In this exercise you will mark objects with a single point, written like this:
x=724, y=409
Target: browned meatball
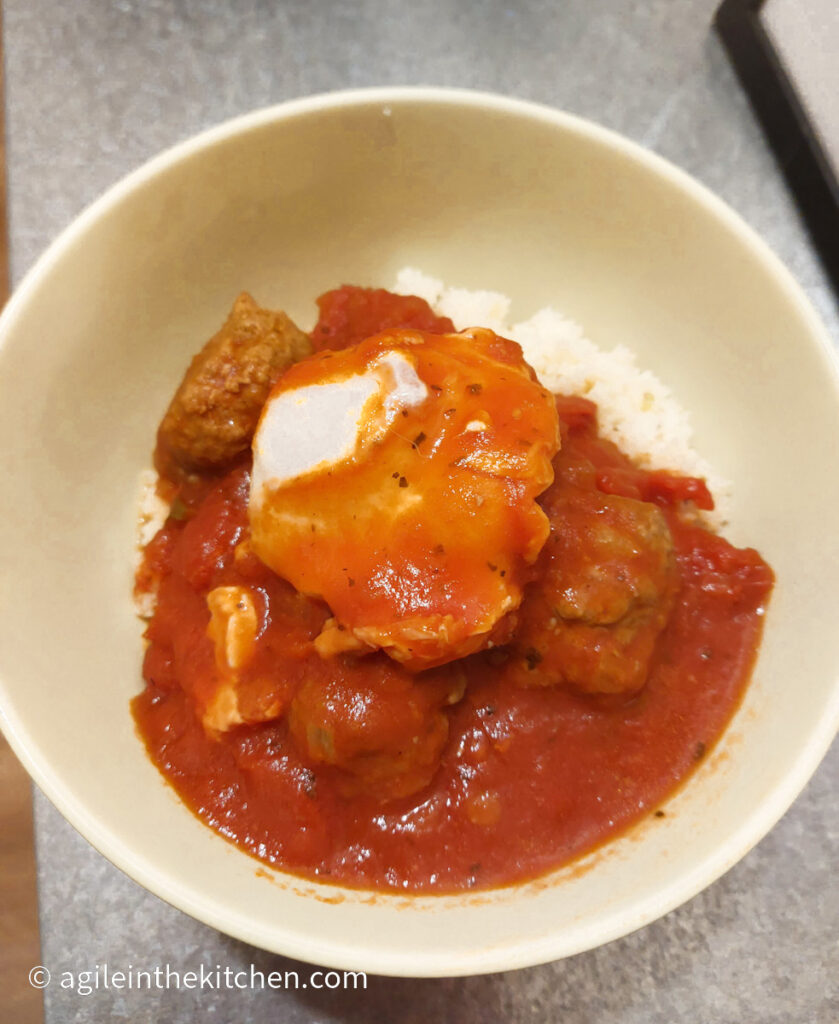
x=383, y=727
x=214, y=413
x=609, y=579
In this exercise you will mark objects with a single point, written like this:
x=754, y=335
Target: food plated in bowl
x=480, y=191
x=415, y=625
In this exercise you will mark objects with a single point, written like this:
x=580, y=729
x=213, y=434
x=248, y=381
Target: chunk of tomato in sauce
x=615, y=474
x=351, y=314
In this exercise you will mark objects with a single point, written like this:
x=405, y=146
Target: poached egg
x=397, y=480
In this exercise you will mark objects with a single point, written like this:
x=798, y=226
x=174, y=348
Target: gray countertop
x=95, y=88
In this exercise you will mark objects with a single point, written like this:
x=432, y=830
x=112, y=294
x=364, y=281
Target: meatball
x=608, y=579
x=382, y=727
x=213, y=415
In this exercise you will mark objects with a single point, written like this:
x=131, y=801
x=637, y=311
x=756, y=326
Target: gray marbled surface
x=94, y=89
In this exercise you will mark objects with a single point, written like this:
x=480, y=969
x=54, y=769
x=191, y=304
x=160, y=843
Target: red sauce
x=529, y=777
x=350, y=314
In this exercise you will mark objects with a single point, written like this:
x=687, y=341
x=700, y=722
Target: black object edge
x=775, y=101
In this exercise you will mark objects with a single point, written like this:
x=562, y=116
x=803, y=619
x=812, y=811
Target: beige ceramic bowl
x=483, y=192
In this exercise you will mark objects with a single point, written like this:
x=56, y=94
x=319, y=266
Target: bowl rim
x=520, y=953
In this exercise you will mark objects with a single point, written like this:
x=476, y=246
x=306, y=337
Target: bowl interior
x=483, y=193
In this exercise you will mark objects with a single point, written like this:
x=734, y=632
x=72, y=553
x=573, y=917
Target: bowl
x=483, y=192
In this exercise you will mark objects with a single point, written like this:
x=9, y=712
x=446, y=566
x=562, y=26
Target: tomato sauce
x=530, y=776
x=349, y=314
